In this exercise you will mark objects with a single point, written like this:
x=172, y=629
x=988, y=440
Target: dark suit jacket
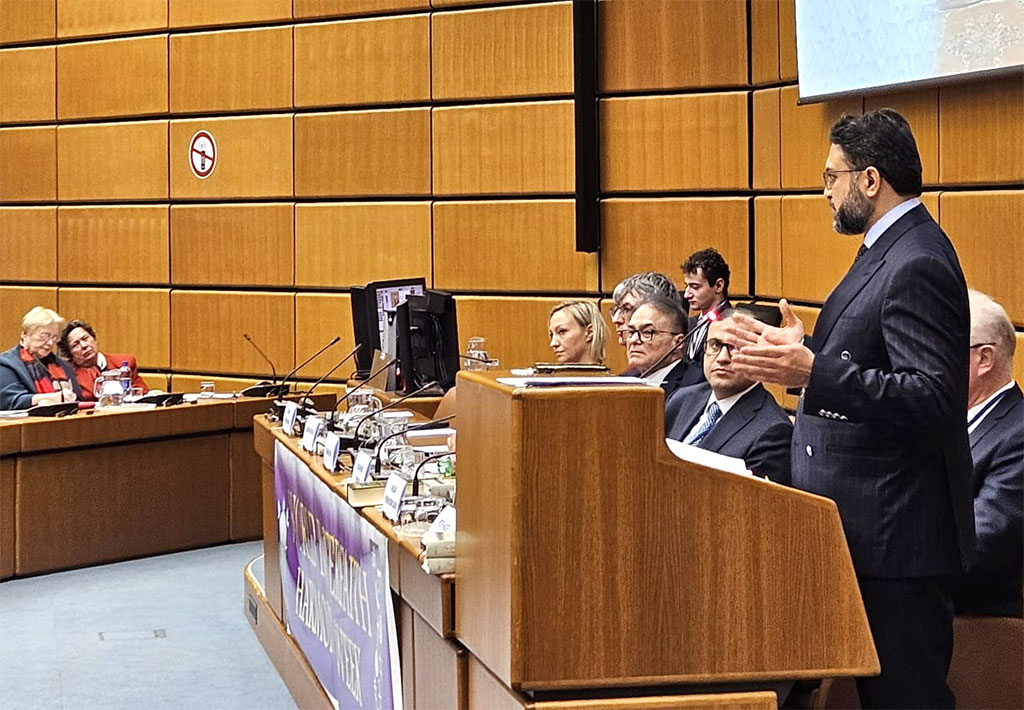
x=16, y=383
x=675, y=378
x=755, y=429
x=880, y=428
x=993, y=584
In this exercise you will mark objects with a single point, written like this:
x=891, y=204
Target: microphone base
x=265, y=389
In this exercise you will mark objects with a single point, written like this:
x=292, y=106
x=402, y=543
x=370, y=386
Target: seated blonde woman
x=578, y=333
x=30, y=372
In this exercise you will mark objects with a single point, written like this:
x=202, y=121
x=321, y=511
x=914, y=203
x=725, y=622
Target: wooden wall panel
x=764, y=41
x=666, y=44
x=510, y=245
x=127, y=320
x=981, y=132
x=254, y=158
x=156, y=381
x=768, y=256
x=674, y=142
x=28, y=244
x=91, y=79
x=92, y=242
x=113, y=161
x=386, y=60
x=767, y=140
x=201, y=13
x=673, y=228
x=1018, y=359
x=27, y=84
x=231, y=70
x=318, y=318
x=507, y=148
x=516, y=328
x=342, y=244
x=247, y=244
x=815, y=258
x=15, y=302
x=804, y=132
x=27, y=20
x=191, y=383
x=987, y=229
x=28, y=164
x=787, y=40
x=337, y=8
x=921, y=109
x=78, y=18
x=363, y=153
x=509, y=51
x=207, y=328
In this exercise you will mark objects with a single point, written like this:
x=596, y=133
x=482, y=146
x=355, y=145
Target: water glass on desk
x=476, y=354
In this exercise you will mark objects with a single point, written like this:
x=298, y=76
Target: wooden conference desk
x=111, y=485
x=593, y=564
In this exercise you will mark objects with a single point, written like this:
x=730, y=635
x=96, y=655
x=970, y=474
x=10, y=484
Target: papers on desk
x=571, y=381
x=711, y=459
x=196, y=396
x=430, y=450
x=13, y=413
x=417, y=434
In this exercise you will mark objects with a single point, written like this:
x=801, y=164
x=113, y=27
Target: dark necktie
x=860, y=252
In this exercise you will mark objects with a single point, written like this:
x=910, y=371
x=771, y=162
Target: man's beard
x=852, y=216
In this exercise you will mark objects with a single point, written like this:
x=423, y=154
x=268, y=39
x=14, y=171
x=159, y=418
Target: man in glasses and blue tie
x=731, y=414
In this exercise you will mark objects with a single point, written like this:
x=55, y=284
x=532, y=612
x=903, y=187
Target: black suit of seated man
x=995, y=425
x=753, y=426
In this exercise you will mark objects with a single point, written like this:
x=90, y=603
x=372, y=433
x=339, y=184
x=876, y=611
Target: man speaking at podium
x=880, y=426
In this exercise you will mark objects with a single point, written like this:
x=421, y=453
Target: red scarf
x=43, y=377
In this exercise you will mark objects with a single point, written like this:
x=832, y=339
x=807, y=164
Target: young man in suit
x=995, y=425
x=880, y=427
x=731, y=414
x=706, y=275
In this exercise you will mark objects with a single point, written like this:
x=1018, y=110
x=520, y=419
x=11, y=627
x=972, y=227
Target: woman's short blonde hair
x=586, y=313
x=40, y=317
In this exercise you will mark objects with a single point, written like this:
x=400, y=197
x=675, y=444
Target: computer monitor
x=428, y=342
x=373, y=313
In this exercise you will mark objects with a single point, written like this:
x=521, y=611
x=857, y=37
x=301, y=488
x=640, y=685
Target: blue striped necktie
x=711, y=416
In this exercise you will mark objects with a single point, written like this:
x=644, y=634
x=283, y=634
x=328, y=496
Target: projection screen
x=866, y=46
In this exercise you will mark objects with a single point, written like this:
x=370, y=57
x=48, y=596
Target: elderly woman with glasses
x=30, y=372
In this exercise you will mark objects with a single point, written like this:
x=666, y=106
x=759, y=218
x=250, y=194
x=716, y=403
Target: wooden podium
x=591, y=562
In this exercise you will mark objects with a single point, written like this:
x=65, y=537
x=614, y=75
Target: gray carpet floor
x=161, y=632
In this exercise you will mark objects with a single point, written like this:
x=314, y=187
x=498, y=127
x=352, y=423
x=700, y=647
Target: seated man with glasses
x=633, y=291
x=731, y=415
x=655, y=340
x=30, y=372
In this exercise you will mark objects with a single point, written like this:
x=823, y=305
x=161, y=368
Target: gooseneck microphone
x=416, y=475
x=261, y=389
x=390, y=405
x=425, y=426
x=311, y=358
x=309, y=393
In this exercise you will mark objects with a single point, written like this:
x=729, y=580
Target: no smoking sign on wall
x=202, y=154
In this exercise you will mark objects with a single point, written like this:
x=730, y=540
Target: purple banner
x=334, y=582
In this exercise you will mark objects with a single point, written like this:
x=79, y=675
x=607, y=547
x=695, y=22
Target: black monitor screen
x=428, y=342
x=373, y=309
